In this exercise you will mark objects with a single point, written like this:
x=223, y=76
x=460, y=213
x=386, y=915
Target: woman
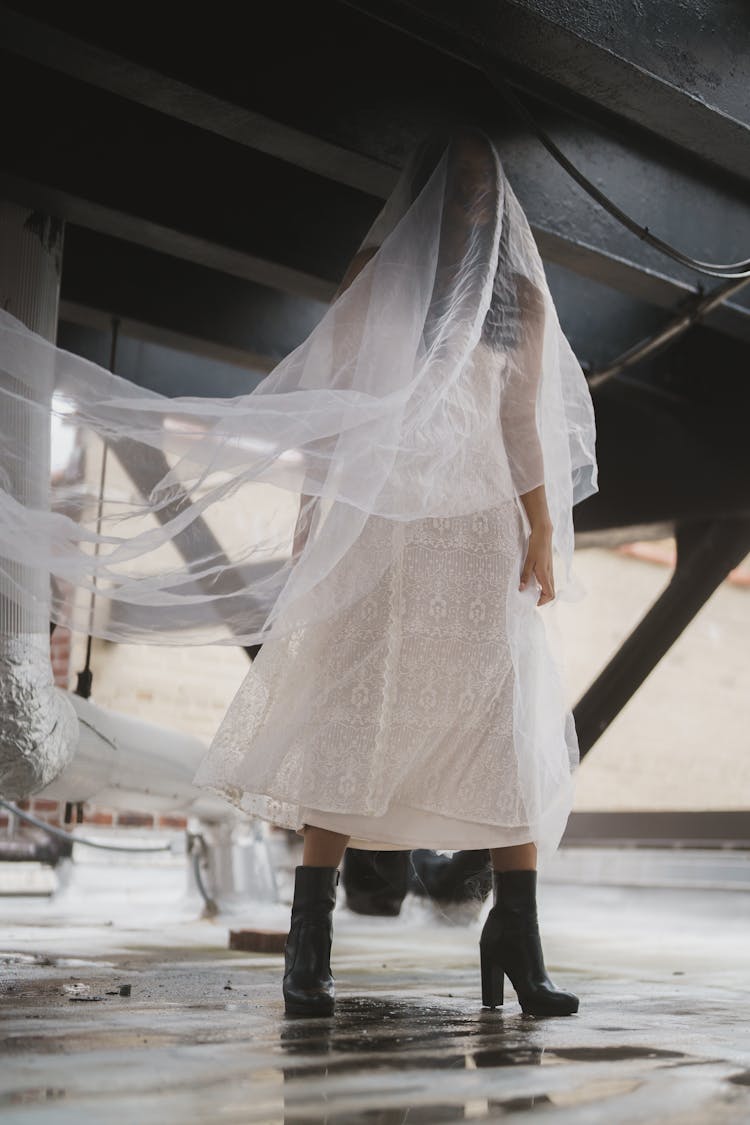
x=391, y=723
x=380, y=513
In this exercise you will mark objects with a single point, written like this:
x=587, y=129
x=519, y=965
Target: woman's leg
x=517, y=857
x=323, y=848
x=308, y=982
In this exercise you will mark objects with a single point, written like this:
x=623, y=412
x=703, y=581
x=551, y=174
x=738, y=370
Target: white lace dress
x=394, y=721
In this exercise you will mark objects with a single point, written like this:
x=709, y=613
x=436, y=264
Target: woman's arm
x=521, y=436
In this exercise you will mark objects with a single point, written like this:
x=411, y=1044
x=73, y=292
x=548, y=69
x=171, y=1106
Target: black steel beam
x=671, y=437
x=679, y=70
x=165, y=300
x=235, y=319
x=200, y=249
x=707, y=550
x=190, y=365
x=377, y=121
x=41, y=42
x=190, y=192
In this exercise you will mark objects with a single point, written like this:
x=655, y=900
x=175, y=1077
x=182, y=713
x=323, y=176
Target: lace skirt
x=394, y=722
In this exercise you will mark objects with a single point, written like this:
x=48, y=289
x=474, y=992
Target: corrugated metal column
x=38, y=726
x=30, y=264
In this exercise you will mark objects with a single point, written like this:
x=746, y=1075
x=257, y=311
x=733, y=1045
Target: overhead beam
x=43, y=43
x=649, y=63
x=668, y=446
x=167, y=240
x=707, y=550
x=233, y=319
x=183, y=301
x=100, y=319
x=266, y=220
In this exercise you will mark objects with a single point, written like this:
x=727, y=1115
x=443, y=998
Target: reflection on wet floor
x=389, y=1037
x=200, y=1035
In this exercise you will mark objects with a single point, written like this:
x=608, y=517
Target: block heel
x=493, y=981
x=510, y=946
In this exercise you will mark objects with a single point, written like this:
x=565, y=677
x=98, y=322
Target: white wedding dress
x=359, y=514
x=393, y=722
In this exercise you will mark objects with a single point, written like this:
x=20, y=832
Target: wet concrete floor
x=661, y=1036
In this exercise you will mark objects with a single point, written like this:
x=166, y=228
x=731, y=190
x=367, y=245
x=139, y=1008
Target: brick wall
x=53, y=812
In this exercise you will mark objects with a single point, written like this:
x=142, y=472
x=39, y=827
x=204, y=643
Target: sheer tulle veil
x=438, y=383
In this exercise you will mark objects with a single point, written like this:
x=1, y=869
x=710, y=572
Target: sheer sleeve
x=518, y=405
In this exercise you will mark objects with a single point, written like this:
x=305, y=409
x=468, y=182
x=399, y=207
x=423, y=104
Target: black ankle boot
x=510, y=946
x=308, y=982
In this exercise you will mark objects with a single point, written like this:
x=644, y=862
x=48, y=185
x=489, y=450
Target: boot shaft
x=314, y=892
x=308, y=982
x=514, y=894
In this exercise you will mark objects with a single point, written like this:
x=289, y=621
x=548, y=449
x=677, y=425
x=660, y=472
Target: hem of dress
x=433, y=831
x=427, y=828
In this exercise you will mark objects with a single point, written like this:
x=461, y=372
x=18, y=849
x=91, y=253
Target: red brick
x=258, y=941
x=60, y=650
x=42, y=804
x=135, y=820
x=96, y=816
x=173, y=822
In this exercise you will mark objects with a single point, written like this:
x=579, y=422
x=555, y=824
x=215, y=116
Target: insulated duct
x=38, y=725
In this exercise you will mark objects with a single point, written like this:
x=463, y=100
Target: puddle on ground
x=393, y=1036
x=613, y=1054
x=47, y=960
x=31, y=1095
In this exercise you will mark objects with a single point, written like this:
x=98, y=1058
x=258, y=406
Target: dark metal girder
x=225, y=316
x=669, y=447
x=188, y=366
x=180, y=244
x=43, y=43
x=678, y=202
x=94, y=151
x=679, y=70
x=707, y=550
x=52, y=161
x=166, y=300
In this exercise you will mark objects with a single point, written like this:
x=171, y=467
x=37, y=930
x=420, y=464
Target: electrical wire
x=729, y=270
x=198, y=849
x=481, y=60
x=61, y=834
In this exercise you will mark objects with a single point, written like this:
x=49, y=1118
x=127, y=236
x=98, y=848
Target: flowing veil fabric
x=438, y=384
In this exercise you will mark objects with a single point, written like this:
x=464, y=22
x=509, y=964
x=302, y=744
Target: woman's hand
x=539, y=561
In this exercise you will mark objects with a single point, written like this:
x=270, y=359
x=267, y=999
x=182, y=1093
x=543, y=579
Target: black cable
x=85, y=676
x=487, y=64
x=730, y=270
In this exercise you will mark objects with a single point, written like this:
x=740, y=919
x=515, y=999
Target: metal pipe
x=38, y=727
